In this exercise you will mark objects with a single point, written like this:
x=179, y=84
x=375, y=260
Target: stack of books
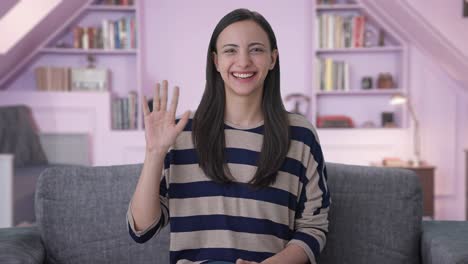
x=124, y=112
x=119, y=34
x=51, y=78
x=332, y=75
x=338, y=31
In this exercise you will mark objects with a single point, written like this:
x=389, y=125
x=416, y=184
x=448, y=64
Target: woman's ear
x=215, y=60
x=274, y=56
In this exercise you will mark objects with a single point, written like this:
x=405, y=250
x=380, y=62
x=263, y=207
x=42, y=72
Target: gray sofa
x=375, y=217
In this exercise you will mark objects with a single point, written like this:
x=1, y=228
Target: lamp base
x=416, y=162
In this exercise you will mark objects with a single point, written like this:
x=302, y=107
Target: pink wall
x=446, y=17
x=177, y=34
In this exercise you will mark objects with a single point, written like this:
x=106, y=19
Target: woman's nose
x=244, y=59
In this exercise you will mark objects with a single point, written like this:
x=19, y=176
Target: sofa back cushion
x=18, y=136
x=81, y=213
x=375, y=215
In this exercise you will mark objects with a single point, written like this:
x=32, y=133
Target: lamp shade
x=398, y=99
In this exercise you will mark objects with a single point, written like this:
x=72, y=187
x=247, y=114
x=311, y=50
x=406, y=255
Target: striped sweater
x=212, y=221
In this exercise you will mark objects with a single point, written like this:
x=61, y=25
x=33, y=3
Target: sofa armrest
x=21, y=245
x=444, y=242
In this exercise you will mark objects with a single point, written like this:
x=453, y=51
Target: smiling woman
x=241, y=180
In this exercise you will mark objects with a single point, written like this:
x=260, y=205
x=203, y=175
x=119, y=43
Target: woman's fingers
x=174, y=101
x=164, y=97
x=144, y=104
x=156, y=101
x=183, y=121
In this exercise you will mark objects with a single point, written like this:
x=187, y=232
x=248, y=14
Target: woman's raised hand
x=161, y=130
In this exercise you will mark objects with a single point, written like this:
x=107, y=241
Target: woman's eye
x=229, y=51
x=257, y=50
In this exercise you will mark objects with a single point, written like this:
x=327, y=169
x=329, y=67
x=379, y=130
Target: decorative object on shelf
x=334, y=121
x=465, y=8
x=388, y=120
x=326, y=2
x=91, y=61
x=399, y=99
x=369, y=124
x=394, y=162
x=370, y=38
x=381, y=38
x=63, y=45
x=301, y=103
x=115, y=2
x=89, y=79
x=366, y=83
x=385, y=81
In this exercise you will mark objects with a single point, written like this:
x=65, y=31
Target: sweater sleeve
x=159, y=223
x=311, y=220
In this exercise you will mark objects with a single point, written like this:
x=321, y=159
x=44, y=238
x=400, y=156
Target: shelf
x=126, y=132
x=362, y=129
x=89, y=51
x=115, y=8
x=360, y=50
x=361, y=92
x=338, y=7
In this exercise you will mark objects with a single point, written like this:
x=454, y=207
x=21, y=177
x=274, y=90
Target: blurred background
x=384, y=82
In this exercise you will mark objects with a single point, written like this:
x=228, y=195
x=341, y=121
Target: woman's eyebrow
x=251, y=44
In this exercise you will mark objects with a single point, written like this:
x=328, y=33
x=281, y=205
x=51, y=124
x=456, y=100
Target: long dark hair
x=208, y=121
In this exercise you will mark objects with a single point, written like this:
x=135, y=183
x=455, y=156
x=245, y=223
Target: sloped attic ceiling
x=26, y=49
x=410, y=25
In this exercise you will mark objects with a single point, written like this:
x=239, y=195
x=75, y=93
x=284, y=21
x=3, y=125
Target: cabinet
x=426, y=176
x=351, y=50
x=123, y=61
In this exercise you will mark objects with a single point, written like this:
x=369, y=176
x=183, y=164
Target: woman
x=241, y=180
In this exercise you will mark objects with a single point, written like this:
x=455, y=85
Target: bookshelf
x=350, y=45
x=112, y=39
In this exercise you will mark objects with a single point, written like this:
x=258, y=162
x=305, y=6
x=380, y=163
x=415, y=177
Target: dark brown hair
x=208, y=122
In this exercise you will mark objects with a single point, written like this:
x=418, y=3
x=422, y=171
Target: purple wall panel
x=5, y=6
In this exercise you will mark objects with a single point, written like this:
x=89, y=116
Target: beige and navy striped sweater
x=211, y=221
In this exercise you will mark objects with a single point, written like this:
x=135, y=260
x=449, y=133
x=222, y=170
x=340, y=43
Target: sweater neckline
x=244, y=127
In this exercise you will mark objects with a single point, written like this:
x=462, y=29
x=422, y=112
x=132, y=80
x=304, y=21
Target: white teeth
x=243, y=75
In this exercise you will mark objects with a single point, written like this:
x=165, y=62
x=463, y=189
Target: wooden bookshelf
x=335, y=41
x=338, y=7
x=111, y=8
x=359, y=50
x=360, y=92
x=72, y=51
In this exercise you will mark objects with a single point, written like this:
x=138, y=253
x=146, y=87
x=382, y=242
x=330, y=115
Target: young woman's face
x=243, y=58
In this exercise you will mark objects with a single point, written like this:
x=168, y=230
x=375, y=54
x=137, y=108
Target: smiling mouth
x=243, y=76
